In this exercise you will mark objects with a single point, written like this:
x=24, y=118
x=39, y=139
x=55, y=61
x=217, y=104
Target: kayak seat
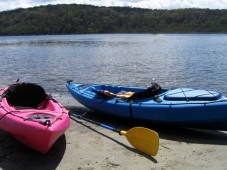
x=152, y=91
x=25, y=95
x=184, y=94
x=106, y=93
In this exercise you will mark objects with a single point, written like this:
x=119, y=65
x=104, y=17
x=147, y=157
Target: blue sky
x=152, y=4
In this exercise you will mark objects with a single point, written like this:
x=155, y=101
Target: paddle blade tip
x=143, y=139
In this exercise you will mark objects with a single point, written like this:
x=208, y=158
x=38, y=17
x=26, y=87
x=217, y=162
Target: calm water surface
x=173, y=60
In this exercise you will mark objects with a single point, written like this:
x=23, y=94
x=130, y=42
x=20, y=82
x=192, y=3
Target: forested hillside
x=80, y=19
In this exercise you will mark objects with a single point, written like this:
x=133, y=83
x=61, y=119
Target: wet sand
x=87, y=146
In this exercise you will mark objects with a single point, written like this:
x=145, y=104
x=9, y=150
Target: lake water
x=173, y=60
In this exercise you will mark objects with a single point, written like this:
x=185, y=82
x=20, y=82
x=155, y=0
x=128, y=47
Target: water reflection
x=174, y=60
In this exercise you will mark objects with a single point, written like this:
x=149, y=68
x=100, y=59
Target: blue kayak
x=184, y=107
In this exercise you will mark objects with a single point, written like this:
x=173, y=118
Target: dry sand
x=86, y=146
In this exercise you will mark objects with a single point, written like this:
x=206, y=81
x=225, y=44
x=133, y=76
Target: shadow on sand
x=187, y=135
x=116, y=141
x=14, y=155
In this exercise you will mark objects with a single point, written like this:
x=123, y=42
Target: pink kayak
x=31, y=116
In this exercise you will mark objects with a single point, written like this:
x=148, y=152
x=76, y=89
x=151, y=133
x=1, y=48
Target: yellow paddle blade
x=143, y=139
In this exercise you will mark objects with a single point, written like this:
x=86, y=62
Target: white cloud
x=152, y=4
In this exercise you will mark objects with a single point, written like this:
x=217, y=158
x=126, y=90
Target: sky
x=151, y=4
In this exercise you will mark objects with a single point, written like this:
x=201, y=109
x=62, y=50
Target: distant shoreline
x=88, y=19
x=216, y=33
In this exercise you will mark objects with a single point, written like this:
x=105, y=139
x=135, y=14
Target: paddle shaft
x=96, y=123
x=143, y=139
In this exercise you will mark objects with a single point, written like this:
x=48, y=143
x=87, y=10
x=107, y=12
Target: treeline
x=82, y=19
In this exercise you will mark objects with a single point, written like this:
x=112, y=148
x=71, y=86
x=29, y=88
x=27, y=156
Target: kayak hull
x=179, y=107
x=37, y=128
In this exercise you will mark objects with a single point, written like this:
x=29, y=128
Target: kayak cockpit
x=132, y=93
x=25, y=95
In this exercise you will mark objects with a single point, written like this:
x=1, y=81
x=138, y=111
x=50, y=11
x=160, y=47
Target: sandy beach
x=87, y=146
